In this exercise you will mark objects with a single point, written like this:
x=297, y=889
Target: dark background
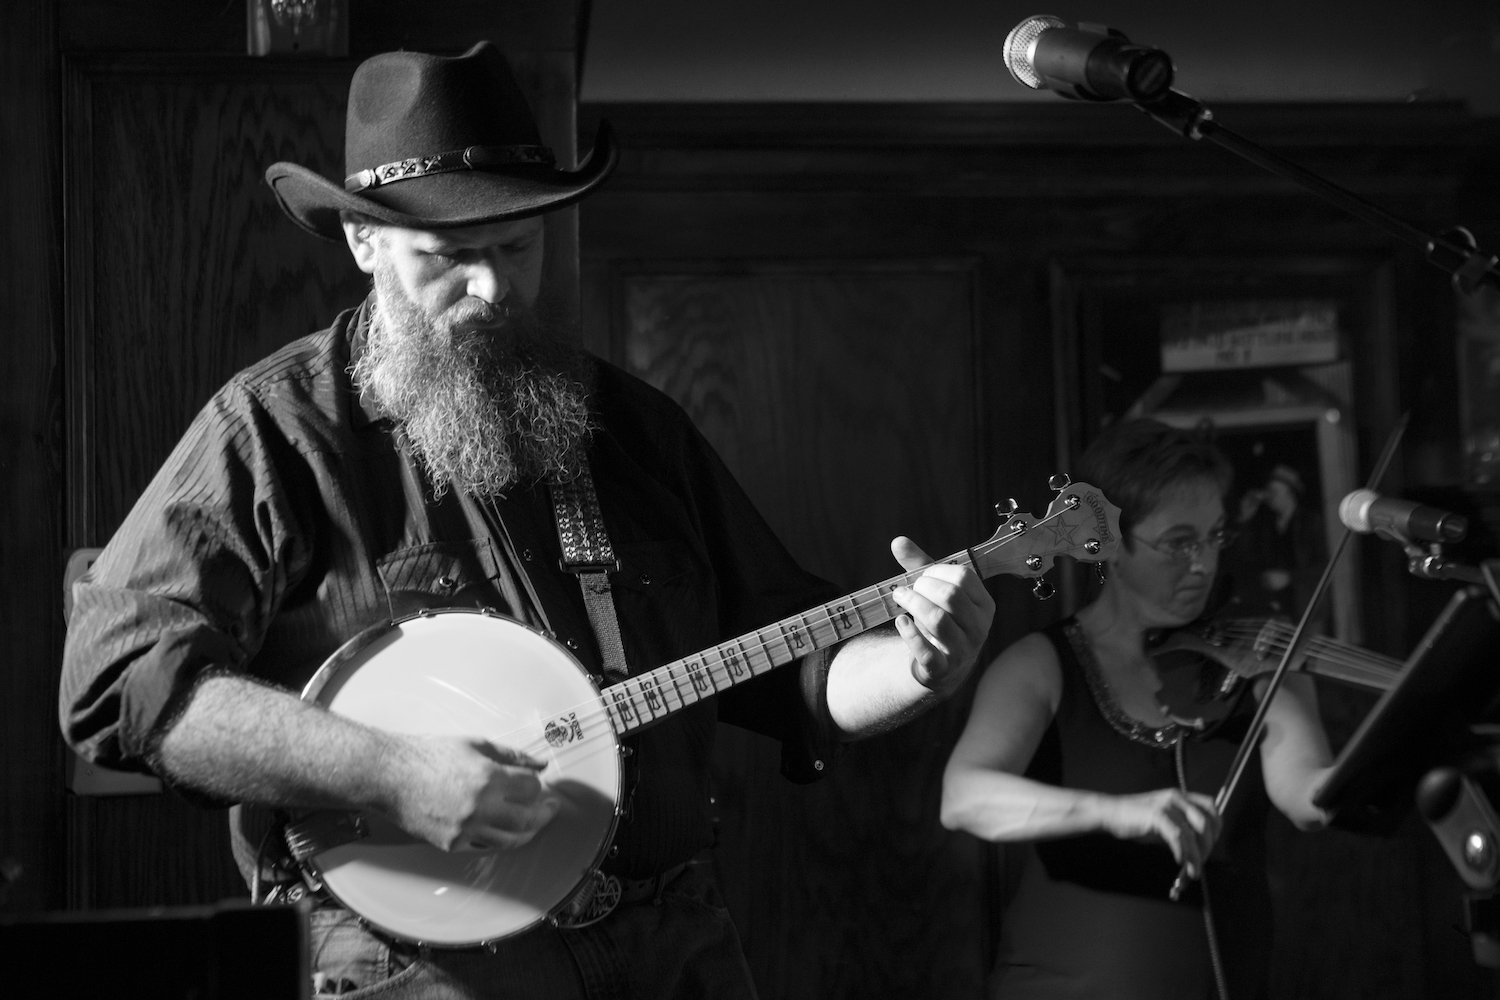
x=877, y=275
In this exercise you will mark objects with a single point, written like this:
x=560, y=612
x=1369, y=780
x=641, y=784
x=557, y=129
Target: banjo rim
x=346, y=654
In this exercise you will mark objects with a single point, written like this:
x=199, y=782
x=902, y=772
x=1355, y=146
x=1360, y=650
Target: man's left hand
x=948, y=617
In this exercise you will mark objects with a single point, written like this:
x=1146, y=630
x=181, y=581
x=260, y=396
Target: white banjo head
x=461, y=672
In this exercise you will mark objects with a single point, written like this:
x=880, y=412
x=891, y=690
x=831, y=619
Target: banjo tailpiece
x=595, y=900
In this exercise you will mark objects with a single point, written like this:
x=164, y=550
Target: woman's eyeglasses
x=1186, y=549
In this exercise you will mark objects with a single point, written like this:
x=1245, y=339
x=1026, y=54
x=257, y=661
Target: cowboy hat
x=432, y=142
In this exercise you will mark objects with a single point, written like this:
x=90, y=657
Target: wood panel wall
x=31, y=274
x=1032, y=198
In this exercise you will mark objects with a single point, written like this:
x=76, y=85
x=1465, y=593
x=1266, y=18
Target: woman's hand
x=1185, y=821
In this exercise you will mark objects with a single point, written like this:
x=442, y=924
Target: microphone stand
x=1455, y=251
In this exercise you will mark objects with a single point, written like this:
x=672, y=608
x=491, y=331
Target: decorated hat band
x=472, y=158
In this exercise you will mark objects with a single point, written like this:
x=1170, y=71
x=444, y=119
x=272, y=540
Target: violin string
x=588, y=711
x=1330, y=654
x=1342, y=661
x=1275, y=635
x=1377, y=675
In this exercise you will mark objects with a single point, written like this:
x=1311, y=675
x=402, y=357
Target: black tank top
x=1092, y=745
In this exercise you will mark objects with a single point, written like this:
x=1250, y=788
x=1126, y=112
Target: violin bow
x=1293, y=647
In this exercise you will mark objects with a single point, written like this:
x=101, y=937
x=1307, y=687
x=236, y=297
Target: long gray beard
x=481, y=410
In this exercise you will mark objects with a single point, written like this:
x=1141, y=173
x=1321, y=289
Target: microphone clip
x=1430, y=564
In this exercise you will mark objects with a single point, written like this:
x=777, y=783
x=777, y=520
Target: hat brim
x=441, y=201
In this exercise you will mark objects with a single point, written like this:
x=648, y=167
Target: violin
x=1203, y=666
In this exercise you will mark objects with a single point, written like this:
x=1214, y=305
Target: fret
x=854, y=615
x=708, y=660
x=682, y=674
x=649, y=698
x=627, y=716
x=829, y=610
x=762, y=649
x=734, y=662
x=643, y=707
x=700, y=679
x=722, y=680
x=787, y=655
x=794, y=634
x=668, y=693
x=823, y=631
x=706, y=672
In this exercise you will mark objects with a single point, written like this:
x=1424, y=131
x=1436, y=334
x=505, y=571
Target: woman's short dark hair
x=1135, y=462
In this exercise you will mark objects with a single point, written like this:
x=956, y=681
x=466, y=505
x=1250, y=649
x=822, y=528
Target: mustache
x=478, y=312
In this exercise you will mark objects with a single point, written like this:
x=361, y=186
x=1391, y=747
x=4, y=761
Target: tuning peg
x=1059, y=482
x=1004, y=511
x=1033, y=562
x=1041, y=589
x=1092, y=546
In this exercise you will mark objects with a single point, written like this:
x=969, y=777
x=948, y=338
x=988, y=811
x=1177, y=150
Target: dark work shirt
x=288, y=519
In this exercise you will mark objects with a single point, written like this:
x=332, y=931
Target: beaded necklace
x=1162, y=737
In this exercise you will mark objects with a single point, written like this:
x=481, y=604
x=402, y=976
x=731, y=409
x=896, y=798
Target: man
x=402, y=459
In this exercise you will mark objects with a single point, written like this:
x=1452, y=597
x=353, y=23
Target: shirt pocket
x=440, y=575
x=664, y=596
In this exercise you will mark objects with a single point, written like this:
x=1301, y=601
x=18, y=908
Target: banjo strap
x=587, y=554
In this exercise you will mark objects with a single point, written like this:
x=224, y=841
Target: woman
x=1068, y=745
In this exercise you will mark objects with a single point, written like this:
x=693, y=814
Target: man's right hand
x=470, y=795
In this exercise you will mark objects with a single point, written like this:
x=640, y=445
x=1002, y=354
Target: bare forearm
x=997, y=806
x=1292, y=792
x=249, y=743
x=871, y=688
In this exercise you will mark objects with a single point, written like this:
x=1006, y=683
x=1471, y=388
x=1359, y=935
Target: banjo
x=471, y=672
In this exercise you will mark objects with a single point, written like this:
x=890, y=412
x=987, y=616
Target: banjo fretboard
x=650, y=697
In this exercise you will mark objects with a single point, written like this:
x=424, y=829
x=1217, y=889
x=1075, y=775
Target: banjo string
x=589, y=712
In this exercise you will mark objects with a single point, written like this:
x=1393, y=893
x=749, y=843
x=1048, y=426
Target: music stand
x=1449, y=683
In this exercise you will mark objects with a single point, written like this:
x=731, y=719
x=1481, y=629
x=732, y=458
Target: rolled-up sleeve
x=186, y=585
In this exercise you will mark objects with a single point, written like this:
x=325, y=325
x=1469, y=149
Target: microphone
x=1085, y=62
x=1365, y=511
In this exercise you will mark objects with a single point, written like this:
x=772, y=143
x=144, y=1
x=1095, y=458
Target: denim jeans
x=684, y=946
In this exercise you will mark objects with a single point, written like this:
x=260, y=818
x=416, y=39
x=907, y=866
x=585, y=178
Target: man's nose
x=489, y=277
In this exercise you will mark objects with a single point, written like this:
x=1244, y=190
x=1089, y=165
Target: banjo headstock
x=1079, y=522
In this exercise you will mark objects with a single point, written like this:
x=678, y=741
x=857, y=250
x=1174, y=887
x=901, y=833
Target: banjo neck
x=1079, y=522
x=648, y=698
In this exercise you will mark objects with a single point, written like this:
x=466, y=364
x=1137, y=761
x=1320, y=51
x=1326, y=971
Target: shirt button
x=645, y=579
x=570, y=644
x=817, y=765
x=526, y=554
